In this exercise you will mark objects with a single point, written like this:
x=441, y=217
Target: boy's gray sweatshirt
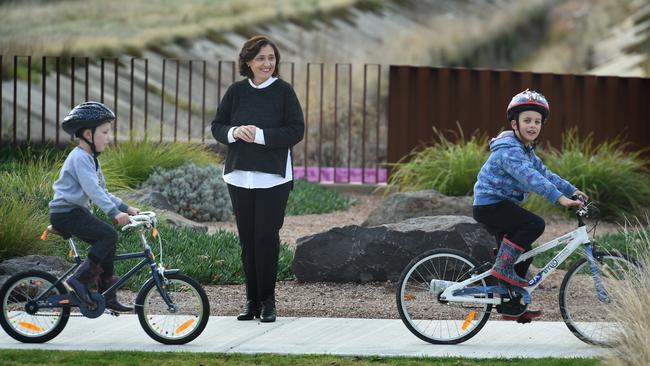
x=79, y=184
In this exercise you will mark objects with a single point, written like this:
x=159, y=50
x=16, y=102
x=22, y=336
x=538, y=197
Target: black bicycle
x=172, y=308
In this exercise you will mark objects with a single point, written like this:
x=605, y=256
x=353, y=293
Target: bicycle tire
x=421, y=310
x=584, y=314
x=168, y=327
x=40, y=327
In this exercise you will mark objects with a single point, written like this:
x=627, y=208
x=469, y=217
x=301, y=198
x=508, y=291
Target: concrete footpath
x=335, y=336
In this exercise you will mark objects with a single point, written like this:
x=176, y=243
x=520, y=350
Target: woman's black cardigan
x=274, y=109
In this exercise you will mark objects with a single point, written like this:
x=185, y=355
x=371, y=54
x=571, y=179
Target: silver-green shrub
x=197, y=193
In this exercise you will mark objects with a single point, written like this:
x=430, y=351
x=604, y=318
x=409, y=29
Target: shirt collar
x=268, y=82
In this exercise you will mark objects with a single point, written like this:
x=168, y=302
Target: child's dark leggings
x=521, y=226
x=84, y=225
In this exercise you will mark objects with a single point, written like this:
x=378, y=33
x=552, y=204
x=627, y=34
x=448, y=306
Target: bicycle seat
x=52, y=230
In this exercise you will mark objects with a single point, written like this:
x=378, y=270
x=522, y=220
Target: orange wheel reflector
x=70, y=253
x=409, y=297
x=154, y=232
x=184, y=326
x=30, y=326
x=469, y=319
x=44, y=235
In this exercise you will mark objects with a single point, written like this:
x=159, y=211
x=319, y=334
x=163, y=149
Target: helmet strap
x=92, y=145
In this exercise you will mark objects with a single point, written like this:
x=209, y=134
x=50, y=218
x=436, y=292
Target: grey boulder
x=379, y=253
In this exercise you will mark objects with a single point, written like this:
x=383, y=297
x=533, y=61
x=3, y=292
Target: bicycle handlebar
x=143, y=218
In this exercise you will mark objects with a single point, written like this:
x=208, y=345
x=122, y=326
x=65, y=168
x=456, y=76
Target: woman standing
x=259, y=119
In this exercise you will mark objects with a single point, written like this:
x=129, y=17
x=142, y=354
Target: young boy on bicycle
x=81, y=182
x=509, y=174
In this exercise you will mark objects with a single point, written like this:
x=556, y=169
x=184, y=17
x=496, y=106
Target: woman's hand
x=568, y=203
x=245, y=133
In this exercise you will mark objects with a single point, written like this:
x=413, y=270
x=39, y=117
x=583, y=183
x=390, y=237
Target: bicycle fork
x=603, y=296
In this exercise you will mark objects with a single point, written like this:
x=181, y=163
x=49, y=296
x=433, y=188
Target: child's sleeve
x=84, y=169
x=515, y=162
x=562, y=185
x=117, y=201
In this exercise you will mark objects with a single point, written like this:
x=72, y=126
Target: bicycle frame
x=571, y=240
x=157, y=271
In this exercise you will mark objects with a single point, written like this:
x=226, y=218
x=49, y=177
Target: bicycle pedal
x=111, y=312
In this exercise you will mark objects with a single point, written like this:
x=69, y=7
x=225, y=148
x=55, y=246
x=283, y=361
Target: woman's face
x=263, y=64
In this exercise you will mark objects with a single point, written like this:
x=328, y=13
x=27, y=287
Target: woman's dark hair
x=250, y=49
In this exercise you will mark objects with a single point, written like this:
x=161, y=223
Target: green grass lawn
x=81, y=358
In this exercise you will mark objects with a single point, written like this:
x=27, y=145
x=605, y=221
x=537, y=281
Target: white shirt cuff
x=231, y=138
x=259, y=136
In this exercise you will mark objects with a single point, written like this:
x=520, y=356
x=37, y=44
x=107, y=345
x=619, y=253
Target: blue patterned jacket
x=512, y=171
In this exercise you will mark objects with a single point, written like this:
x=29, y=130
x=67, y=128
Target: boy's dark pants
x=521, y=226
x=260, y=215
x=84, y=225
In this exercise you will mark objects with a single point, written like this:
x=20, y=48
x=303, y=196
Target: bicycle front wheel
x=588, y=316
x=421, y=310
x=18, y=295
x=178, y=324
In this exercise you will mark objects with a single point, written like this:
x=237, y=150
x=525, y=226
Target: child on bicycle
x=512, y=171
x=81, y=182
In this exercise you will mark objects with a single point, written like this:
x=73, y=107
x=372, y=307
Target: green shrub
x=30, y=180
x=21, y=224
x=618, y=180
x=131, y=163
x=198, y=193
x=311, y=198
x=449, y=168
x=9, y=156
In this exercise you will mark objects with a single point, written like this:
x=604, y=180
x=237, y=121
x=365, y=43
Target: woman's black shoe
x=251, y=311
x=268, y=311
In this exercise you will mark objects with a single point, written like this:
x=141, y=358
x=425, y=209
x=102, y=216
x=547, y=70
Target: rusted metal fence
x=421, y=98
x=173, y=100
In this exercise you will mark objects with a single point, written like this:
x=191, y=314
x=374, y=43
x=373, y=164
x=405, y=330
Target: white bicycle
x=445, y=297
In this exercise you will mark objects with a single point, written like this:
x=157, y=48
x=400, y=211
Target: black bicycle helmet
x=86, y=115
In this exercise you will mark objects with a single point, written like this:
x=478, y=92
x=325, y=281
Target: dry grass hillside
x=89, y=26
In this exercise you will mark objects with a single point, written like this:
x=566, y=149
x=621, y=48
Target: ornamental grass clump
x=448, y=167
x=631, y=312
x=198, y=193
x=616, y=178
x=131, y=162
x=25, y=190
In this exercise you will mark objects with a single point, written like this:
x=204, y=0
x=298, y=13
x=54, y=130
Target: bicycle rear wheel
x=585, y=314
x=178, y=325
x=427, y=317
x=37, y=326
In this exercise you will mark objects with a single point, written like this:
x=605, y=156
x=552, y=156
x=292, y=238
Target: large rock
x=400, y=206
x=379, y=253
x=150, y=197
x=54, y=265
